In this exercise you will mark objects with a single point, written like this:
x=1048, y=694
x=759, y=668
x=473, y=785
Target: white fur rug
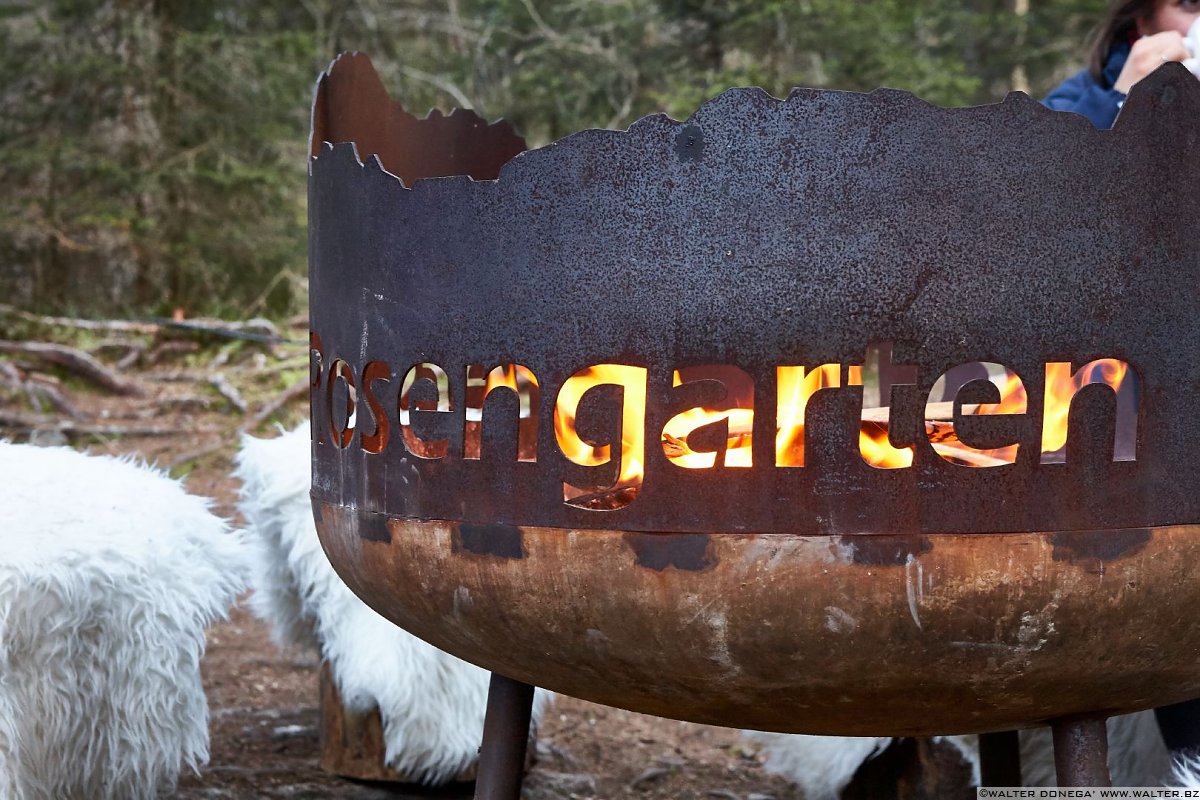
x=823, y=765
x=109, y=574
x=431, y=703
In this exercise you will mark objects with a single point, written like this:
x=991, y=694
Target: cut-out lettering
x=632, y=383
x=316, y=373
x=520, y=380
x=372, y=372
x=435, y=375
x=340, y=370
x=714, y=429
x=794, y=388
x=735, y=410
x=940, y=413
x=878, y=375
x=1061, y=387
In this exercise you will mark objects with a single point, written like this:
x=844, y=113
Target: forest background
x=153, y=152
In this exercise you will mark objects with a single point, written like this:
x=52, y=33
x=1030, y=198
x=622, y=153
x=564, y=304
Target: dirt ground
x=193, y=399
x=265, y=741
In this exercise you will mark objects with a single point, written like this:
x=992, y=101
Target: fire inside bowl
x=837, y=414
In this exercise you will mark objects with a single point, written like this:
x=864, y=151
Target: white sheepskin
x=822, y=766
x=431, y=703
x=109, y=574
x=1185, y=773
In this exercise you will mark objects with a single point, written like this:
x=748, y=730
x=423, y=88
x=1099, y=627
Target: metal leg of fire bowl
x=1081, y=752
x=1000, y=759
x=505, y=737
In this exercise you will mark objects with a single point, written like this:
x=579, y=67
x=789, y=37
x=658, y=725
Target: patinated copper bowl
x=839, y=414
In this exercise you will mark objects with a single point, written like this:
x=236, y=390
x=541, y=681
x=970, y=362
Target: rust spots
x=363, y=524
x=500, y=541
x=374, y=528
x=690, y=552
x=1093, y=548
x=887, y=551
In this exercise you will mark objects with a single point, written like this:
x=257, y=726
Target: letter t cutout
x=878, y=376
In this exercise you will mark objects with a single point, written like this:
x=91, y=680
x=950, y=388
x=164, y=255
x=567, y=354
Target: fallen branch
x=131, y=357
x=35, y=423
x=228, y=391
x=48, y=391
x=243, y=373
x=130, y=351
x=186, y=402
x=178, y=376
x=293, y=392
x=171, y=348
x=76, y=361
x=254, y=330
x=115, y=325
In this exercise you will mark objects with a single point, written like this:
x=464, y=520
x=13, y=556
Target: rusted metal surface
x=835, y=597
x=792, y=633
x=793, y=232
x=1081, y=752
x=505, y=739
x=352, y=105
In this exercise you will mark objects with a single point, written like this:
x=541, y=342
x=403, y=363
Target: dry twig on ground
x=293, y=392
x=77, y=362
x=36, y=423
x=227, y=390
x=113, y=325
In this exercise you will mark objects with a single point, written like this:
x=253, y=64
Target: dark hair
x=1121, y=21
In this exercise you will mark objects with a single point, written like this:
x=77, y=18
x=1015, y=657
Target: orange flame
x=737, y=447
x=1061, y=387
x=939, y=422
x=877, y=449
x=632, y=380
x=796, y=387
x=735, y=410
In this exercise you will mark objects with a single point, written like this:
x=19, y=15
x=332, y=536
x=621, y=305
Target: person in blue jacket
x=1137, y=37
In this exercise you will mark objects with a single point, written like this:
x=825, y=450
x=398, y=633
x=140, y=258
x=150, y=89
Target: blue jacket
x=1097, y=101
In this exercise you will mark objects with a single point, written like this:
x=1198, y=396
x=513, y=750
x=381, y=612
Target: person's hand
x=1148, y=54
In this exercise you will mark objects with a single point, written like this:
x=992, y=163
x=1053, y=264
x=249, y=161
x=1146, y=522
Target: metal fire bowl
x=835, y=598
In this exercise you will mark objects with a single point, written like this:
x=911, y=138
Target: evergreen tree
x=152, y=152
